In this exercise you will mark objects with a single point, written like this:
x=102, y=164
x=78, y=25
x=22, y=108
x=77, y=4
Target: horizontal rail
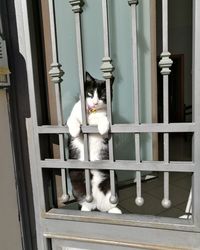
x=121, y=165
x=126, y=128
x=52, y=129
x=124, y=219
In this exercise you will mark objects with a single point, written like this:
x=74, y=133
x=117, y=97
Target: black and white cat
x=95, y=93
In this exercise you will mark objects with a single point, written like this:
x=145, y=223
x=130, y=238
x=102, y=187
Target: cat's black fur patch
x=104, y=186
x=74, y=153
x=104, y=154
x=91, y=84
x=77, y=177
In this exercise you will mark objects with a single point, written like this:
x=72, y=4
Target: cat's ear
x=89, y=78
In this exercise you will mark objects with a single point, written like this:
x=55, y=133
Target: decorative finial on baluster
x=139, y=201
x=77, y=5
x=166, y=203
x=56, y=73
x=114, y=199
x=107, y=68
x=165, y=63
x=130, y=2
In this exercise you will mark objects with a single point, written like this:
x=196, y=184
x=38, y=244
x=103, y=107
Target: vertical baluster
x=56, y=74
x=107, y=70
x=133, y=3
x=165, y=64
x=139, y=199
x=77, y=9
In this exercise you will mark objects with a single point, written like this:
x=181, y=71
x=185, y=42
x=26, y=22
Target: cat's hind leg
x=85, y=208
x=114, y=210
x=104, y=204
x=88, y=206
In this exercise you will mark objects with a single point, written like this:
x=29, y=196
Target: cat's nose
x=95, y=102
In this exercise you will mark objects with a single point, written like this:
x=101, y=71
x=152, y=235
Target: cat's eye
x=89, y=94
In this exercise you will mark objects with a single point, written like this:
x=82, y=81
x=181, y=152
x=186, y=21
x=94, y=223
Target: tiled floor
x=152, y=190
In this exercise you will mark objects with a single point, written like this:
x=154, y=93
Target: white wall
x=10, y=236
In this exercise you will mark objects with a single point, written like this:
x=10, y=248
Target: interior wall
x=10, y=234
x=14, y=28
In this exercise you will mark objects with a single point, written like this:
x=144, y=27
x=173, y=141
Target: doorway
x=66, y=228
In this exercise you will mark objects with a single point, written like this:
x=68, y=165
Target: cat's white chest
x=96, y=144
x=96, y=117
x=95, y=141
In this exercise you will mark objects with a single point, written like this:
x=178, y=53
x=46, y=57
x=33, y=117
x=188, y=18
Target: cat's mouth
x=95, y=107
x=92, y=108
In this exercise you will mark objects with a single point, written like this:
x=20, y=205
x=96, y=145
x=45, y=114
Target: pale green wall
x=121, y=53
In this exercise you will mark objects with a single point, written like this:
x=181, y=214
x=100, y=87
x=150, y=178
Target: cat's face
x=95, y=93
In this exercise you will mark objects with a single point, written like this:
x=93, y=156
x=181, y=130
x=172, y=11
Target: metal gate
x=69, y=229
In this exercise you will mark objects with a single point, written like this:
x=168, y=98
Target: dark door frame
x=20, y=108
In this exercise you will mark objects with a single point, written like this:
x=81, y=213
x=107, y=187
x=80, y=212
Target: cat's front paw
x=74, y=129
x=103, y=126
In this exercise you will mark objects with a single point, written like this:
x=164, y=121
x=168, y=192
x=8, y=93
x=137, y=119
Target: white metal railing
x=137, y=128
x=77, y=9
x=165, y=63
x=58, y=223
x=107, y=69
x=139, y=200
x=56, y=74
